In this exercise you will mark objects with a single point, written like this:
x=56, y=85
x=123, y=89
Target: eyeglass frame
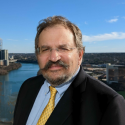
x=38, y=50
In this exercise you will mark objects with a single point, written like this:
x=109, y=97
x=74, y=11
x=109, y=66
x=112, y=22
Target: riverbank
x=5, y=69
x=6, y=123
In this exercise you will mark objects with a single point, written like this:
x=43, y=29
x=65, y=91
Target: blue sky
x=102, y=22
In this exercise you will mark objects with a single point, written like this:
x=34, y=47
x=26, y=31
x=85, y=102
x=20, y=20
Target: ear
x=80, y=52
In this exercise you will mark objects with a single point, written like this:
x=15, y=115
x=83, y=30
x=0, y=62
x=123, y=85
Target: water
x=9, y=87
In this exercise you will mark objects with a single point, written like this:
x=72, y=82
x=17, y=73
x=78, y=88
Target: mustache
x=59, y=62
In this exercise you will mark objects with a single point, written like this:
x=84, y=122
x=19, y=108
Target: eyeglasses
x=48, y=50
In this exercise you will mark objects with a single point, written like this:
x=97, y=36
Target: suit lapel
x=62, y=110
x=70, y=99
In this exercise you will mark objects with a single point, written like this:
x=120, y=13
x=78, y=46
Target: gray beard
x=55, y=82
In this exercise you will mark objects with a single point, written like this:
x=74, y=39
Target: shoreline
x=6, y=123
x=12, y=66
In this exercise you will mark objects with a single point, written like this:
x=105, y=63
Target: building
x=3, y=54
x=4, y=57
x=115, y=74
x=1, y=62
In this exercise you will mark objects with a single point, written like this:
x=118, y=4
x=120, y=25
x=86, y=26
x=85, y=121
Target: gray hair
x=54, y=20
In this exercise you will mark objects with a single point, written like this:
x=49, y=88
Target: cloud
x=12, y=40
x=123, y=17
x=112, y=20
x=103, y=37
x=85, y=22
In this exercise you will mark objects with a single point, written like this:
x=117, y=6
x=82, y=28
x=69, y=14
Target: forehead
x=56, y=35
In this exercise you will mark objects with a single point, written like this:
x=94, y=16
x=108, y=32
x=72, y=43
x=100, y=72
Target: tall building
x=4, y=60
x=3, y=54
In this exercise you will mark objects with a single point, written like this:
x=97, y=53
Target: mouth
x=55, y=67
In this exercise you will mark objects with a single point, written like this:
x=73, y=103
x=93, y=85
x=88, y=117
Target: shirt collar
x=60, y=88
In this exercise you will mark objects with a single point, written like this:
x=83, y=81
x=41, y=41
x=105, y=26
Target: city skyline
x=102, y=23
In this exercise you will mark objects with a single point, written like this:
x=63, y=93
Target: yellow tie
x=49, y=108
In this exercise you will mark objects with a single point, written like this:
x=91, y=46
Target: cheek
x=74, y=60
x=70, y=59
x=41, y=61
x=67, y=58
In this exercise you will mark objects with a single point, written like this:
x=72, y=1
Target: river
x=9, y=87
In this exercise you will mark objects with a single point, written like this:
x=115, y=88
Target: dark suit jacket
x=87, y=101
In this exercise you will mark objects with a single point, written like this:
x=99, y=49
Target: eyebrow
x=44, y=46
x=64, y=45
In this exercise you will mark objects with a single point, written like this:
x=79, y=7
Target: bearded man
x=64, y=94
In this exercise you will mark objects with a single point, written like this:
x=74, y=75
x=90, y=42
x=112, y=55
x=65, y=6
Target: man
x=64, y=94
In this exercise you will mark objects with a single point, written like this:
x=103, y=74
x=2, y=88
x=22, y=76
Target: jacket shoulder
x=100, y=87
x=28, y=92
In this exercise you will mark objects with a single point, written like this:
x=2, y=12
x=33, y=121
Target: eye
x=63, y=49
x=44, y=49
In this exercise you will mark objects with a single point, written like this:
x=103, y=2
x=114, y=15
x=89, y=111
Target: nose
x=54, y=55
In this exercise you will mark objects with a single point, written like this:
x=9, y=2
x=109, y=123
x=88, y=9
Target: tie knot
x=52, y=90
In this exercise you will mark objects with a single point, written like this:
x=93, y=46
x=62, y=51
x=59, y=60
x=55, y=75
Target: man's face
x=58, y=38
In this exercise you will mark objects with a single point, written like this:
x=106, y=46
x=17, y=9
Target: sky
x=102, y=22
